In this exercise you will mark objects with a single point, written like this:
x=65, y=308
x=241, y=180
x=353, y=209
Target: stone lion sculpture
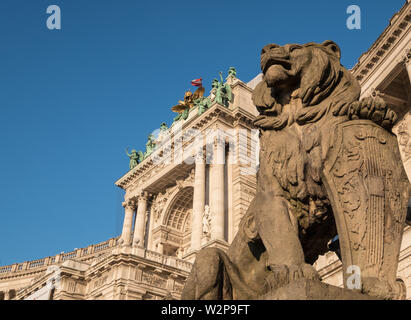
x=329, y=165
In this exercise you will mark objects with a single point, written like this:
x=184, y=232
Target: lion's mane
x=324, y=87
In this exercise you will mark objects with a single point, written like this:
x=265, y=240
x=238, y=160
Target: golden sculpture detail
x=183, y=107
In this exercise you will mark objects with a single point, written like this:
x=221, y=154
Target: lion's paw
x=383, y=289
x=309, y=272
x=374, y=109
x=282, y=275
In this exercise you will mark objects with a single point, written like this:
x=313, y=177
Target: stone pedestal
x=305, y=289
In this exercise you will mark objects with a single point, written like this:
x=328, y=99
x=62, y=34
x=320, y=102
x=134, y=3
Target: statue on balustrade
x=163, y=127
x=222, y=91
x=190, y=99
x=135, y=158
x=329, y=165
x=150, y=146
x=232, y=72
x=203, y=104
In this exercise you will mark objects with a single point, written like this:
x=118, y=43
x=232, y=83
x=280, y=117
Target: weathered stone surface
x=329, y=164
x=304, y=289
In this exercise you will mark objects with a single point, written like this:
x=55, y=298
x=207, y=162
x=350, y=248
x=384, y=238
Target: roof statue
x=329, y=165
x=150, y=146
x=232, y=72
x=163, y=127
x=135, y=158
x=183, y=107
x=222, y=91
x=161, y=137
x=203, y=104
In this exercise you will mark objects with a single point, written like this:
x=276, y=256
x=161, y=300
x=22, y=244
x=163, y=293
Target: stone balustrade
x=80, y=254
x=164, y=260
x=102, y=246
x=36, y=263
x=5, y=269
x=69, y=255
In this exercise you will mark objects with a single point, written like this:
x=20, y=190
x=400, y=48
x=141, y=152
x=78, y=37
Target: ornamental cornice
x=398, y=27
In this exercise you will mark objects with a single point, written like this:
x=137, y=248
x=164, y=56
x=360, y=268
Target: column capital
x=406, y=57
x=143, y=196
x=129, y=204
x=219, y=141
x=219, y=151
x=200, y=155
x=376, y=93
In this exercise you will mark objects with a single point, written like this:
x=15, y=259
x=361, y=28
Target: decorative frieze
x=100, y=281
x=399, y=26
x=153, y=279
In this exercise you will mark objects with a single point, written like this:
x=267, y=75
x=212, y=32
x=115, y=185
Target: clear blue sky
x=71, y=100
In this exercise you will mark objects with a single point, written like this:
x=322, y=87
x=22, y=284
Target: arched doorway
x=177, y=223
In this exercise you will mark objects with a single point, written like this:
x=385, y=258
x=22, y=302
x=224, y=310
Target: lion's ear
x=331, y=45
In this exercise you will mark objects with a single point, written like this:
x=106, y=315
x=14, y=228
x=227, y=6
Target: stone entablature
x=385, y=69
x=398, y=29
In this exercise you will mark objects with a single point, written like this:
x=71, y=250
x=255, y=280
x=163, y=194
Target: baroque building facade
x=192, y=190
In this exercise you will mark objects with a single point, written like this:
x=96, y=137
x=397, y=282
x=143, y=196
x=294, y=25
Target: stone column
x=217, y=192
x=229, y=204
x=198, y=204
x=139, y=227
x=129, y=208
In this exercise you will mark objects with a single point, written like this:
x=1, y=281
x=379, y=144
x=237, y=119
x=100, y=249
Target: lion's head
x=311, y=72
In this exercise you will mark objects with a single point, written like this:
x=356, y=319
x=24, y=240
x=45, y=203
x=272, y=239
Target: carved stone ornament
x=130, y=204
x=329, y=164
x=207, y=218
x=406, y=58
x=158, y=205
x=404, y=140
